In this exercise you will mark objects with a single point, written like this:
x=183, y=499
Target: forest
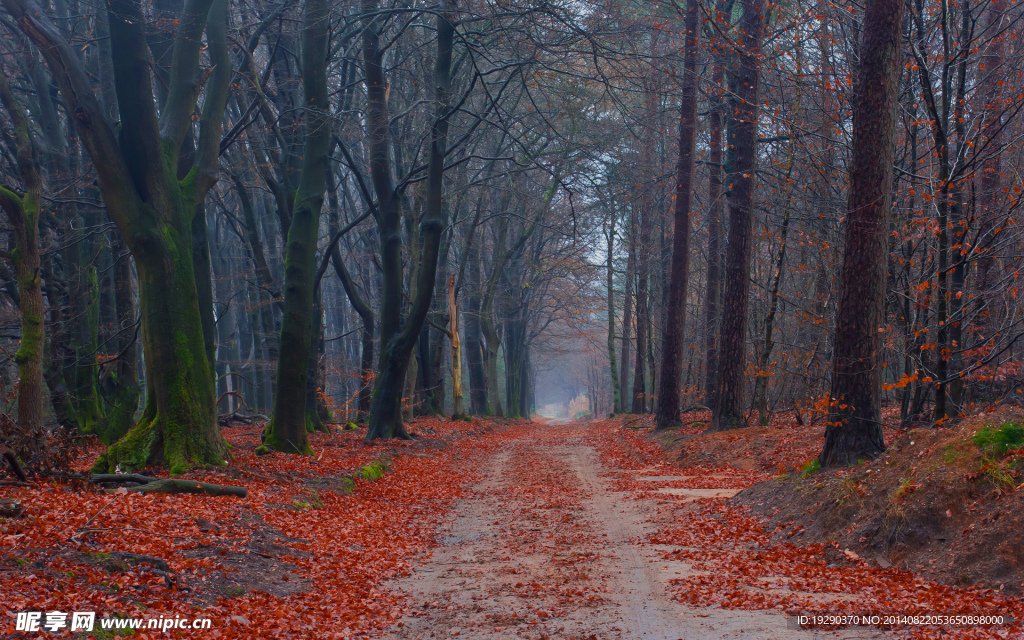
x=239, y=236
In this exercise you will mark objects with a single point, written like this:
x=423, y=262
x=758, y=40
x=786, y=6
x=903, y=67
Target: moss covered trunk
x=23, y=215
x=136, y=168
x=30, y=354
x=179, y=425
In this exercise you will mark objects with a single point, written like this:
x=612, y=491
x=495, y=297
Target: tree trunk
x=627, y=312
x=854, y=428
x=612, y=364
x=764, y=362
x=992, y=124
x=287, y=429
x=79, y=344
x=362, y=309
x=643, y=260
x=121, y=415
x=136, y=171
x=475, y=359
x=458, y=410
x=397, y=342
x=713, y=292
x=23, y=214
x=728, y=413
x=675, y=313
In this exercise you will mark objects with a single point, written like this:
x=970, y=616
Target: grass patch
x=812, y=466
x=997, y=441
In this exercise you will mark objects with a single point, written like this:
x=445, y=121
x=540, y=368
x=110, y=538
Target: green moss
x=107, y=634
x=262, y=450
x=313, y=422
x=346, y=485
x=106, y=561
x=373, y=471
x=139, y=447
x=314, y=501
x=996, y=442
x=278, y=442
x=31, y=338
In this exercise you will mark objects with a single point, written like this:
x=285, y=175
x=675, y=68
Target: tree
x=728, y=410
x=287, y=428
x=397, y=341
x=22, y=211
x=137, y=172
x=675, y=322
x=854, y=429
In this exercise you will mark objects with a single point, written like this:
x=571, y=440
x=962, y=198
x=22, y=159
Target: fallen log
x=120, y=478
x=168, y=485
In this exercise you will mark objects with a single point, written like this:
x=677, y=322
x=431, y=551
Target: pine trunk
x=854, y=429
x=728, y=413
x=675, y=312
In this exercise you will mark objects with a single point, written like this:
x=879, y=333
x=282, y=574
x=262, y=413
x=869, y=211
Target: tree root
x=12, y=460
x=138, y=558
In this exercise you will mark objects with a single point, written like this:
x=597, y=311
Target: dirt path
x=544, y=548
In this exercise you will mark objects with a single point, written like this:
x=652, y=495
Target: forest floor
x=482, y=529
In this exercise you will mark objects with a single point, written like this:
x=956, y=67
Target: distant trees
x=512, y=177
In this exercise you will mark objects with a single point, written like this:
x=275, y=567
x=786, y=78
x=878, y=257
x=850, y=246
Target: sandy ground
x=544, y=548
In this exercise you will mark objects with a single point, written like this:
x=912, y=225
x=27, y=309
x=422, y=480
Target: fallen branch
x=626, y=425
x=10, y=508
x=83, y=532
x=226, y=419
